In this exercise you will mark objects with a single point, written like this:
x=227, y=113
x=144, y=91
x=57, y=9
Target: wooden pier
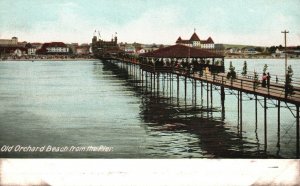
x=192, y=64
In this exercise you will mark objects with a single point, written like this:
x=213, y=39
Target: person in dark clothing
x=268, y=79
x=264, y=79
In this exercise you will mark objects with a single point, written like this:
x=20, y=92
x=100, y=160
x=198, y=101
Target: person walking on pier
x=268, y=80
x=264, y=79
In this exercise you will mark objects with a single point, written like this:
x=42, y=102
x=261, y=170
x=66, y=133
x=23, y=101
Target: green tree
x=244, y=72
x=272, y=49
x=259, y=49
x=256, y=82
x=265, y=68
x=231, y=74
x=288, y=84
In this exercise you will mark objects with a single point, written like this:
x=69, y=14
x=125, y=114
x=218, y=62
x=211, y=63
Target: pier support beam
x=177, y=87
x=195, y=92
x=207, y=96
x=278, y=124
x=223, y=102
x=171, y=84
x=151, y=82
x=297, y=130
x=256, y=109
x=185, y=84
x=211, y=95
x=241, y=112
x=265, y=121
x=158, y=84
x=207, y=99
x=154, y=83
x=163, y=84
x=201, y=93
x=241, y=106
x=238, y=108
x=142, y=80
x=146, y=76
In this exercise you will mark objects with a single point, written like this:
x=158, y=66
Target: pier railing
x=245, y=83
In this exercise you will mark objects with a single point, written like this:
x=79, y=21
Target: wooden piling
x=154, y=82
x=207, y=95
x=241, y=110
x=238, y=107
x=297, y=130
x=177, y=86
x=211, y=96
x=201, y=93
x=195, y=92
x=278, y=123
x=256, y=109
x=185, y=89
x=265, y=122
x=158, y=84
x=223, y=102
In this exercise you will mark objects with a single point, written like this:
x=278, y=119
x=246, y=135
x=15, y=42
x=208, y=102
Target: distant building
x=233, y=50
x=83, y=49
x=195, y=41
x=249, y=50
x=103, y=48
x=11, y=47
x=54, y=48
x=31, y=50
x=13, y=51
x=141, y=51
x=37, y=45
x=208, y=44
x=11, y=42
x=130, y=49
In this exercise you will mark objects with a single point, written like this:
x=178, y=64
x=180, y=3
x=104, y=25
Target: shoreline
x=69, y=59
x=93, y=59
x=260, y=58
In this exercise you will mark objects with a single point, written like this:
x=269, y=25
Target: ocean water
x=71, y=107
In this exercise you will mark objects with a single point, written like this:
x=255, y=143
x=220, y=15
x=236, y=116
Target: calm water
x=88, y=103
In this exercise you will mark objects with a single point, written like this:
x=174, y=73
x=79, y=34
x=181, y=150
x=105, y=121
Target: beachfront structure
x=11, y=42
x=130, y=49
x=13, y=51
x=105, y=49
x=31, y=50
x=54, y=48
x=195, y=41
x=181, y=56
x=83, y=49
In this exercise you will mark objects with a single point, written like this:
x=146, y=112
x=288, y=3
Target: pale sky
x=253, y=22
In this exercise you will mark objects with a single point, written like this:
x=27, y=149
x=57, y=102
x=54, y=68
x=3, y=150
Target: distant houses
x=31, y=49
x=292, y=52
x=13, y=48
x=137, y=48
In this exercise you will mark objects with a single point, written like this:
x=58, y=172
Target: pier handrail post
x=241, y=83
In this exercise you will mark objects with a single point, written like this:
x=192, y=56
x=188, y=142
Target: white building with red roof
x=54, y=48
x=195, y=41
